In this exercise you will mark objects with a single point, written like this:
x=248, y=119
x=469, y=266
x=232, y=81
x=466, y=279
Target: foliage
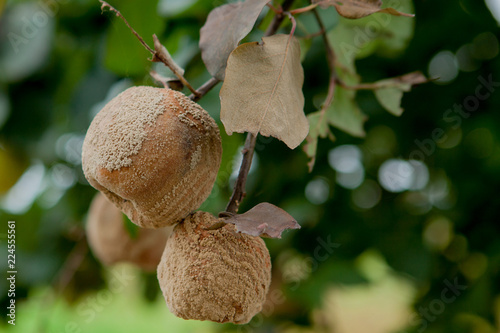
x=356, y=232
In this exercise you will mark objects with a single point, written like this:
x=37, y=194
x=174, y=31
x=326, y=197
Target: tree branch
x=331, y=57
x=159, y=53
x=366, y=86
x=117, y=12
x=246, y=163
x=304, y=9
x=277, y=19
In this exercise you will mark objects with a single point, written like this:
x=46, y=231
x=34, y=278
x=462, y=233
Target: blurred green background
x=388, y=243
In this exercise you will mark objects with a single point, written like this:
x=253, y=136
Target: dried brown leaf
x=262, y=91
x=265, y=220
x=355, y=9
x=225, y=27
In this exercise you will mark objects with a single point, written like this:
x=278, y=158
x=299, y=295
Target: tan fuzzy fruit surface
x=217, y=275
x=111, y=242
x=154, y=153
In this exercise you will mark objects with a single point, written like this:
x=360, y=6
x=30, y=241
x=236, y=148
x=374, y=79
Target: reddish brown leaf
x=355, y=9
x=225, y=27
x=265, y=220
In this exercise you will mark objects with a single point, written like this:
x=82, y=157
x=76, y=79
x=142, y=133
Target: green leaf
x=345, y=114
x=341, y=38
x=318, y=128
x=125, y=55
x=391, y=90
x=386, y=35
x=305, y=46
x=350, y=42
x=307, y=23
x=396, y=32
x=390, y=99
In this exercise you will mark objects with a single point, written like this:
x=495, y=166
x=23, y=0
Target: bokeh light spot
x=4, y=108
x=396, y=175
x=317, y=191
x=437, y=234
x=466, y=61
x=443, y=67
x=452, y=138
x=458, y=249
x=367, y=195
x=352, y=179
x=485, y=46
x=479, y=143
x=420, y=177
x=494, y=7
x=380, y=141
x=474, y=266
x=62, y=176
x=69, y=148
x=345, y=158
x=22, y=195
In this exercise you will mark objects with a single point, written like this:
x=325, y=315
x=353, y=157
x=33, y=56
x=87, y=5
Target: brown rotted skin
x=217, y=275
x=154, y=153
x=111, y=242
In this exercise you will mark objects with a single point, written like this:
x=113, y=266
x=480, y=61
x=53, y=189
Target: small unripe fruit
x=218, y=275
x=154, y=153
x=111, y=242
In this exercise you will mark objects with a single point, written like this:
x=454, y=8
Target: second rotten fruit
x=218, y=275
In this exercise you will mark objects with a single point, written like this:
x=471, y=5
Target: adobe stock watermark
x=370, y=31
x=428, y=314
x=454, y=116
x=89, y=309
x=32, y=24
x=322, y=252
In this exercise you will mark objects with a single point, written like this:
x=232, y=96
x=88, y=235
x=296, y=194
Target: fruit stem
x=204, y=89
